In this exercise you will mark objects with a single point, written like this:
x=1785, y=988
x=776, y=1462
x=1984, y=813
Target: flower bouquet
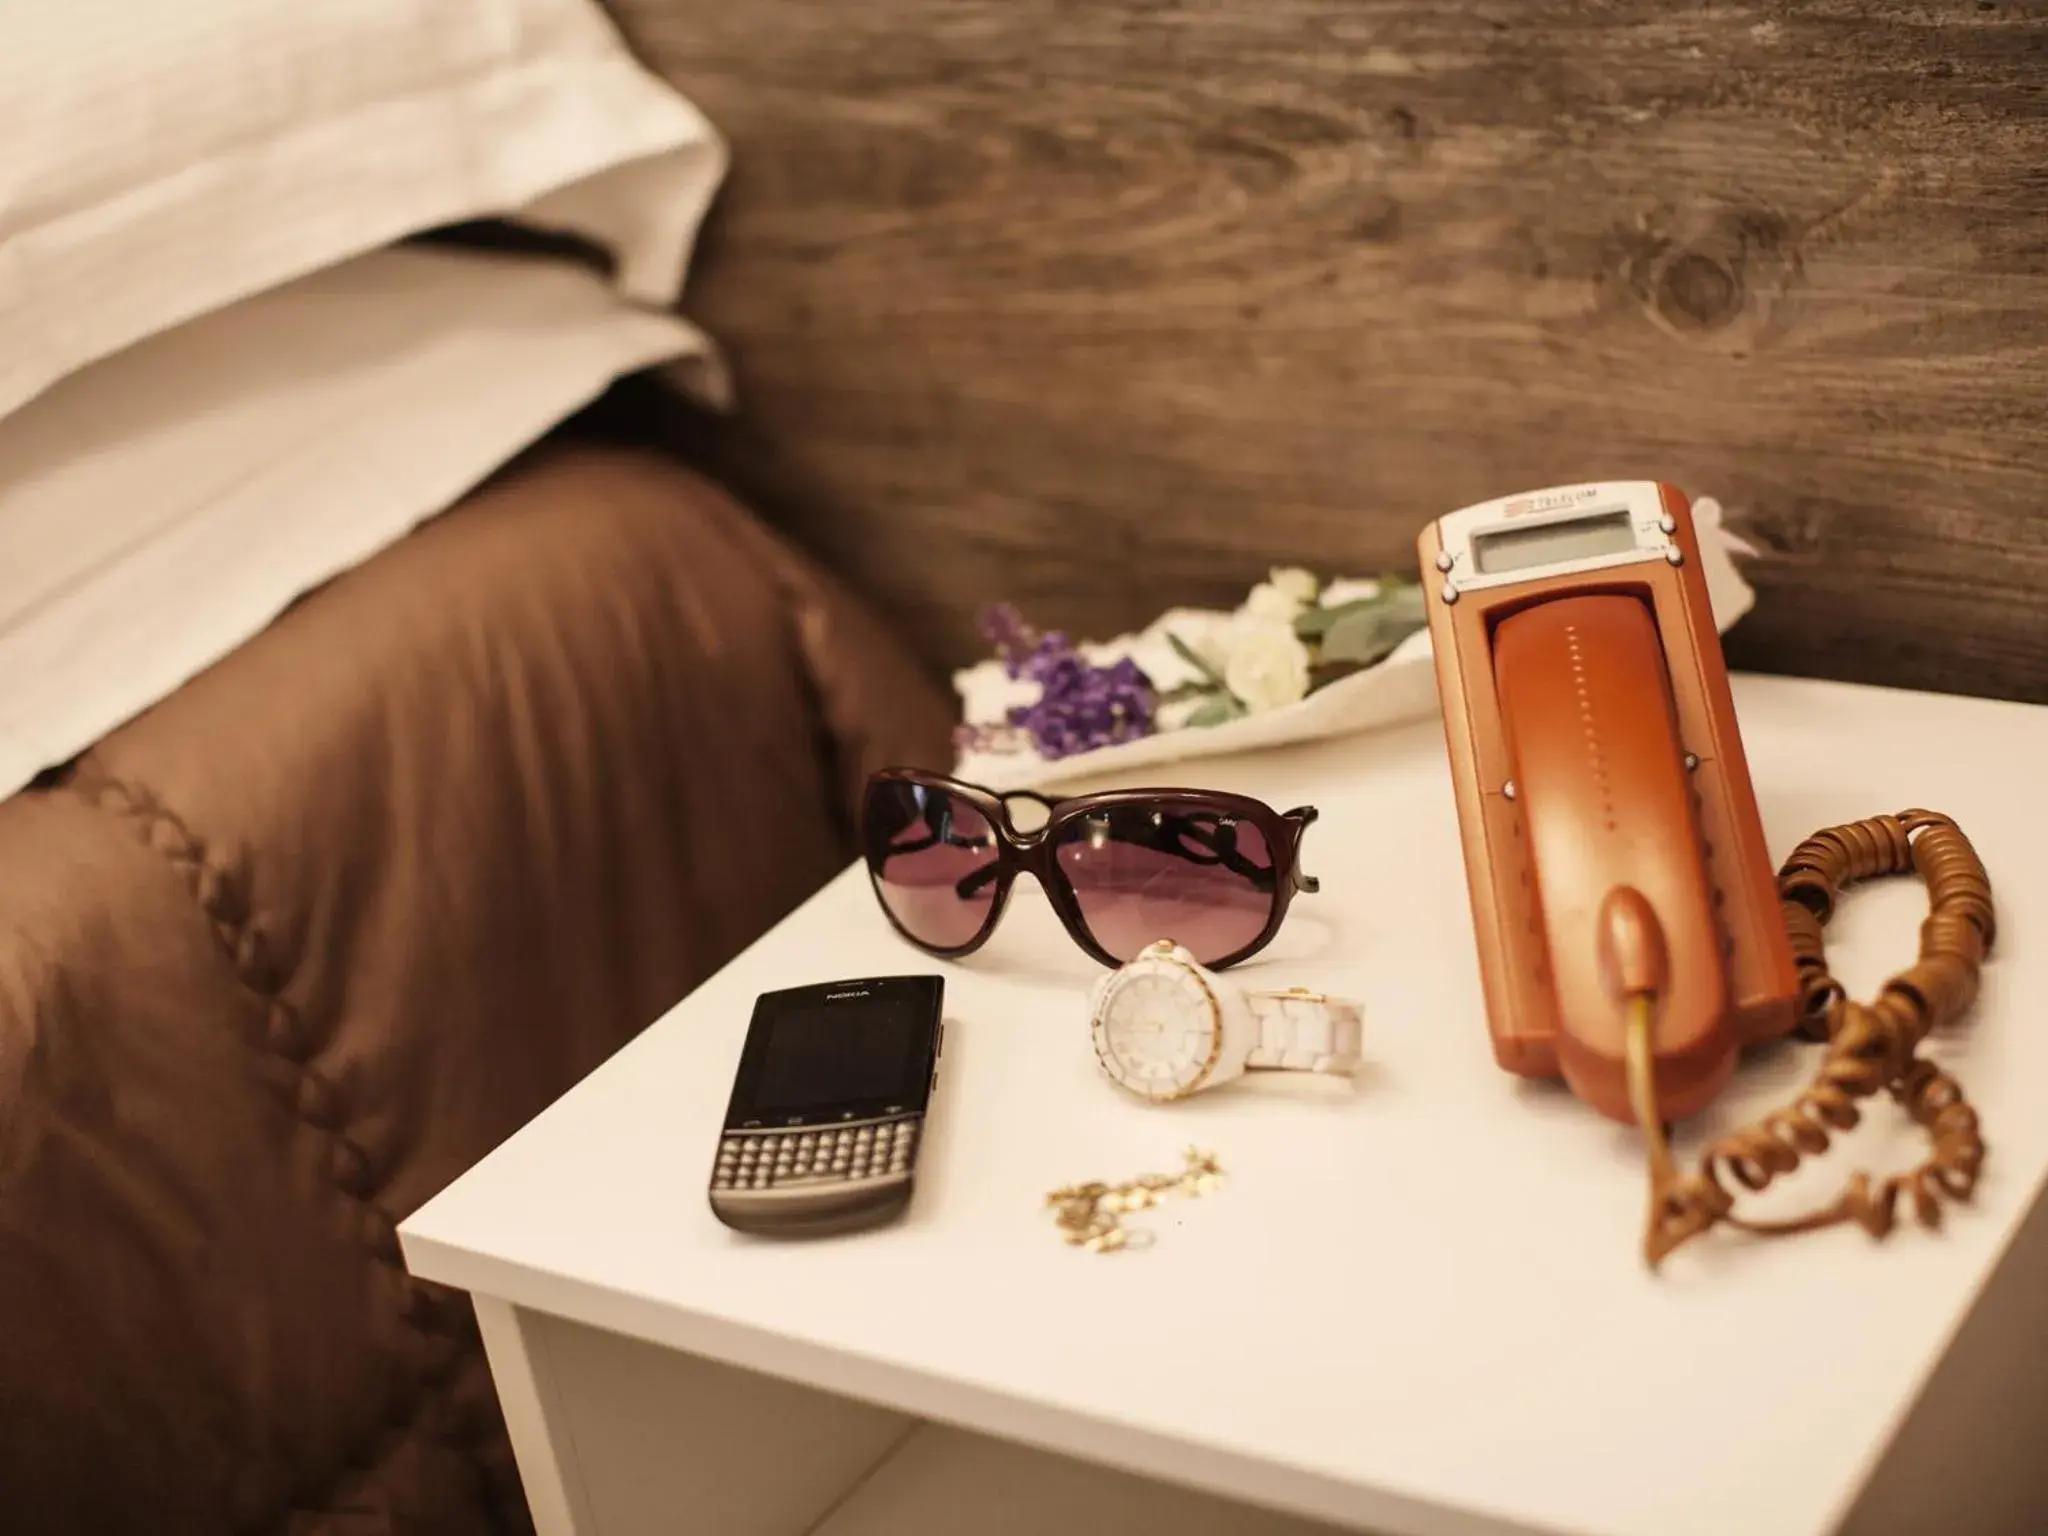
x=1292, y=636
x=1045, y=708
x=1301, y=657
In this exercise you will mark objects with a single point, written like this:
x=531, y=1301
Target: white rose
x=1266, y=665
x=1267, y=602
x=1282, y=595
x=1295, y=582
x=1349, y=590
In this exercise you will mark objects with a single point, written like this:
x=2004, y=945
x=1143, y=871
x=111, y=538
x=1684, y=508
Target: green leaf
x=1311, y=622
x=1215, y=712
x=1362, y=644
x=1364, y=634
x=1396, y=594
x=1324, y=673
x=1180, y=693
x=1405, y=601
x=1188, y=654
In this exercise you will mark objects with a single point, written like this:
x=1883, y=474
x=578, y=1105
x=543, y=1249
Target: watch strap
x=1304, y=1031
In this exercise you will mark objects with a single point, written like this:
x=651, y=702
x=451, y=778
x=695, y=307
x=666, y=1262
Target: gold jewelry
x=1090, y=1215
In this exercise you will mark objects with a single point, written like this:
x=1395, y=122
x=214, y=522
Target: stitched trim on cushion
x=439, y=1314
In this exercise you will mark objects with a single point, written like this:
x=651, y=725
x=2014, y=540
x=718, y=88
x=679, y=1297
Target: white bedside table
x=1416, y=1306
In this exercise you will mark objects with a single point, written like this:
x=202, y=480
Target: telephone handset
x=1594, y=749
x=1632, y=936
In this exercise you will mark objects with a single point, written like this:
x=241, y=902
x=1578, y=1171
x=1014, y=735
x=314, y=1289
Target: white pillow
x=159, y=160
x=161, y=506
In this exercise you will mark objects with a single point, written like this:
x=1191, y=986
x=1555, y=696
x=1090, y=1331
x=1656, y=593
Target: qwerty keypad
x=769, y=1159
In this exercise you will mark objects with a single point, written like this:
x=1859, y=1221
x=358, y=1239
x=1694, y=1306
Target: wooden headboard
x=1106, y=305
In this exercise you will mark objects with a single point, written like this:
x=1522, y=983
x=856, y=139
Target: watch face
x=1158, y=1030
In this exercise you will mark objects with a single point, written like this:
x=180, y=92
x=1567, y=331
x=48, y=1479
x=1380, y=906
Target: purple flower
x=1080, y=706
x=1014, y=640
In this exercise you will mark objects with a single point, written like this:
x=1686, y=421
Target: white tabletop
x=1418, y=1303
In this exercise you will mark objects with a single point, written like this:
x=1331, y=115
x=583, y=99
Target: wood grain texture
x=1105, y=306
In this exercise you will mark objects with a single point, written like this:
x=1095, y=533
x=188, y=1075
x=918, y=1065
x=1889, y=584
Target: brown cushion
x=284, y=956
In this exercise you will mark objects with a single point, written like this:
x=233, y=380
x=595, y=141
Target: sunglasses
x=1214, y=872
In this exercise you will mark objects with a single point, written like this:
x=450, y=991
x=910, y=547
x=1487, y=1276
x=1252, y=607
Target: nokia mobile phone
x=827, y=1109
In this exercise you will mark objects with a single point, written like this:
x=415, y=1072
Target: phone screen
x=813, y=1058
x=1580, y=538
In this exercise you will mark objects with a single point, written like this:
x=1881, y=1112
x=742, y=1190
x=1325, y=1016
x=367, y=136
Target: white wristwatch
x=1165, y=1027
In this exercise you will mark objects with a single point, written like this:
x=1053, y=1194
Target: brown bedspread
x=283, y=957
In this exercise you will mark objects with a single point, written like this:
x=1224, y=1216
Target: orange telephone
x=1632, y=938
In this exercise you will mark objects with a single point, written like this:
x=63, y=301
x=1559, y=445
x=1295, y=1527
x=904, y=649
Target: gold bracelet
x=1090, y=1215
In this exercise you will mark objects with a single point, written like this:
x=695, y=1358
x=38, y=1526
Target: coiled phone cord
x=1870, y=1046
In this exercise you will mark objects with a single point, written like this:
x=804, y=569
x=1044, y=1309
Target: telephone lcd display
x=1580, y=538
x=821, y=1056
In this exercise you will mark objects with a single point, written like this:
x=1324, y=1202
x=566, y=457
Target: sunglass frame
x=1034, y=852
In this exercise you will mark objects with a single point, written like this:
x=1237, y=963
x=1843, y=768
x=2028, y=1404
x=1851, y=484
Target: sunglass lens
x=934, y=861
x=1169, y=871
